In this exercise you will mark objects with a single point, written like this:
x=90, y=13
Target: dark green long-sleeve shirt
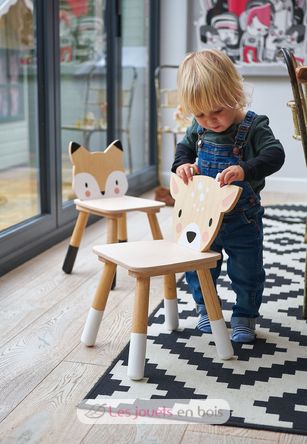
x=263, y=154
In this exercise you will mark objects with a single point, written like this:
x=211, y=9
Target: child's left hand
x=231, y=174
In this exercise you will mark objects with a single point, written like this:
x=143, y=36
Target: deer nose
x=191, y=236
x=102, y=192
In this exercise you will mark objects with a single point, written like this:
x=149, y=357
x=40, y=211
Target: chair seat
x=119, y=205
x=162, y=257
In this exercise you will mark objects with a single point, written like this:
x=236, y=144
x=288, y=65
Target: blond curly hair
x=207, y=80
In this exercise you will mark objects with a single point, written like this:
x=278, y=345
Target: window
x=16, y=37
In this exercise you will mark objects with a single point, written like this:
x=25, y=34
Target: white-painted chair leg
x=91, y=327
x=221, y=338
x=171, y=314
x=137, y=352
x=99, y=302
x=219, y=331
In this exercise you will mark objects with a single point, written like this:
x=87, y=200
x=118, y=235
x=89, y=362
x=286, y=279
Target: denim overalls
x=241, y=233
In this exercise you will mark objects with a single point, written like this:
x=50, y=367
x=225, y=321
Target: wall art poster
x=253, y=31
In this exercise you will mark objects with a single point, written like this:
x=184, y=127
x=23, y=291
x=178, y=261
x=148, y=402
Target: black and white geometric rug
x=265, y=384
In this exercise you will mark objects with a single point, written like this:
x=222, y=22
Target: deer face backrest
x=99, y=174
x=199, y=209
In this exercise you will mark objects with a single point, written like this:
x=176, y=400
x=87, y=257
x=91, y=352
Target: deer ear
x=230, y=197
x=175, y=185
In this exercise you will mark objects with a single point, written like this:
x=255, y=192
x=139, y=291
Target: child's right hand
x=187, y=171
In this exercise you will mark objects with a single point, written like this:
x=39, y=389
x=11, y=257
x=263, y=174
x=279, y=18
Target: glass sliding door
x=135, y=89
x=19, y=157
x=70, y=70
x=82, y=80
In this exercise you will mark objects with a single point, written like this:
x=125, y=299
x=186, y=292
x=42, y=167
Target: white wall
x=270, y=95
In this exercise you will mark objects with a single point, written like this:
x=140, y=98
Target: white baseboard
x=289, y=185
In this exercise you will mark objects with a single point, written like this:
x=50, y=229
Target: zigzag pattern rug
x=266, y=382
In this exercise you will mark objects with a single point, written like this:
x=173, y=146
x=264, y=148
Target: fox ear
x=230, y=196
x=73, y=146
x=175, y=185
x=116, y=145
x=77, y=152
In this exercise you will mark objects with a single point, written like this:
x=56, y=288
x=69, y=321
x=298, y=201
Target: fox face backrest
x=199, y=209
x=99, y=174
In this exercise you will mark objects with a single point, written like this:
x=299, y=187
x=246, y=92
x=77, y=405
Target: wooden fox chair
x=100, y=184
x=198, y=214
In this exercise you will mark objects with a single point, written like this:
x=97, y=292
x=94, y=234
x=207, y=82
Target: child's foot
x=204, y=324
x=203, y=320
x=243, y=329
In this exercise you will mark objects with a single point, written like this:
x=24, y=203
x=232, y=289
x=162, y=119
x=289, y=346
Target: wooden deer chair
x=198, y=214
x=100, y=184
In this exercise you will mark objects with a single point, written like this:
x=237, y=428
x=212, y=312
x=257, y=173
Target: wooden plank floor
x=45, y=371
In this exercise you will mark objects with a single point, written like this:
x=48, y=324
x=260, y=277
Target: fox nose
x=191, y=236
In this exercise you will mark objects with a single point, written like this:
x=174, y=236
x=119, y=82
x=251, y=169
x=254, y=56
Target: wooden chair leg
x=97, y=309
x=154, y=226
x=170, y=302
x=112, y=227
x=112, y=238
x=138, y=338
x=220, y=334
x=122, y=229
x=75, y=242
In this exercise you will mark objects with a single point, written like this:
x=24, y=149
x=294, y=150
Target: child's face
x=219, y=119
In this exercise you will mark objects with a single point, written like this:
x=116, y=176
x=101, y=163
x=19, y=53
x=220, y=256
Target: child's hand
x=187, y=171
x=231, y=174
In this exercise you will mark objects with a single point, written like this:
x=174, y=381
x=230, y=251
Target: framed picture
x=252, y=32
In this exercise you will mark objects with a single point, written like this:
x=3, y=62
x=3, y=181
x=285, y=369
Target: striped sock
x=243, y=329
x=204, y=323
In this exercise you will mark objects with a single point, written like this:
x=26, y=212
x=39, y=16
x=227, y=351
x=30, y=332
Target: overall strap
x=242, y=133
x=200, y=135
